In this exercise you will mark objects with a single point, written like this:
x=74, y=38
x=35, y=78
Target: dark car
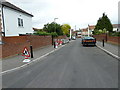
x=88, y=41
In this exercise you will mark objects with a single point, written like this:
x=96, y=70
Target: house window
x=20, y=22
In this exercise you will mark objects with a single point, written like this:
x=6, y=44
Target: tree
x=104, y=23
x=53, y=27
x=65, y=29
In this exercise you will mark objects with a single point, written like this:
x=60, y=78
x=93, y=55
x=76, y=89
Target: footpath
x=16, y=62
x=110, y=49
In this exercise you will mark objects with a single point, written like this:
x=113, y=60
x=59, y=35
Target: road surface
x=72, y=66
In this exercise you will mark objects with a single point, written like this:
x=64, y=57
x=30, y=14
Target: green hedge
x=54, y=34
x=42, y=33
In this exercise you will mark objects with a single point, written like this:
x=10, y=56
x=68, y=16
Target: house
x=15, y=21
x=115, y=27
x=84, y=31
x=91, y=28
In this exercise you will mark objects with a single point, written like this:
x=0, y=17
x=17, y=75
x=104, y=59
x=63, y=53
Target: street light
x=55, y=22
x=55, y=19
x=54, y=31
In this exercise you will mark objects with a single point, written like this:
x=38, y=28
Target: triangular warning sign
x=26, y=52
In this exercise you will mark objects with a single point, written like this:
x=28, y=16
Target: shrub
x=54, y=34
x=42, y=33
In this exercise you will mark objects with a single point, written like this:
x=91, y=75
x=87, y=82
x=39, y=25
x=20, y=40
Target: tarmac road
x=72, y=66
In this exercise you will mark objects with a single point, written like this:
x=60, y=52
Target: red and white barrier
x=56, y=44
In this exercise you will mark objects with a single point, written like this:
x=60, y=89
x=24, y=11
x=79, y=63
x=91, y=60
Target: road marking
x=7, y=71
x=108, y=52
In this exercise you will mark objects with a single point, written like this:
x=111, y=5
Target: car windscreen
x=88, y=38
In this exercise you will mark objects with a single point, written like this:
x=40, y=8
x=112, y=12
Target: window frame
x=20, y=22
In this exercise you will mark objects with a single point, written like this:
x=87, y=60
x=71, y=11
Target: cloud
x=74, y=12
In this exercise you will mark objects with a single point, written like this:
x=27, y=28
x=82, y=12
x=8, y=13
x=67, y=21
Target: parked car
x=65, y=41
x=73, y=38
x=88, y=41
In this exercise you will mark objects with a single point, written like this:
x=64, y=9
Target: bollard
x=103, y=42
x=31, y=51
x=54, y=44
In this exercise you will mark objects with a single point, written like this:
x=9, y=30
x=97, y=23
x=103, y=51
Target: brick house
x=15, y=21
x=84, y=31
x=115, y=27
x=91, y=27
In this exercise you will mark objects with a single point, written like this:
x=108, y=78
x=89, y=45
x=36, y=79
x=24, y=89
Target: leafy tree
x=103, y=23
x=53, y=27
x=65, y=29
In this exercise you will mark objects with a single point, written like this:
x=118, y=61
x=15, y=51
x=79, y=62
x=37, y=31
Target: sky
x=76, y=13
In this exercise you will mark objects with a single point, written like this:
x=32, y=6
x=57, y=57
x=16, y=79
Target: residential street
x=72, y=66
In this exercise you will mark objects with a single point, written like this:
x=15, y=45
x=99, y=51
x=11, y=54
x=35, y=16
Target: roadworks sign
x=25, y=52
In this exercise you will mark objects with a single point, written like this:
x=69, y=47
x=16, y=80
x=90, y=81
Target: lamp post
x=53, y=42
x=55, y=19
x=55, y=23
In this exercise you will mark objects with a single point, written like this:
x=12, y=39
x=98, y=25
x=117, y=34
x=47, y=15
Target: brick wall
x=111, y=39
x=15, y=45
x=61, y=37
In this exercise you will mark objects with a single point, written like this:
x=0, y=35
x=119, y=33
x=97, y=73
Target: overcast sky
x=73, y=12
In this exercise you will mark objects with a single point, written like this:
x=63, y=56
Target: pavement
x=110, y=49
x=17, y=61
x=72, y=66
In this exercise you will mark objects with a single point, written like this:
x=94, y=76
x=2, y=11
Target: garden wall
x=15, y=45
x=111, y=39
